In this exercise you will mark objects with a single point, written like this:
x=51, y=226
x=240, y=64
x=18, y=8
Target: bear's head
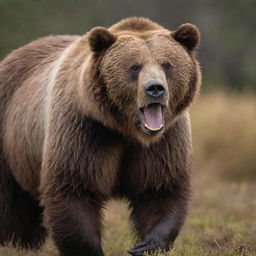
x=143, y=76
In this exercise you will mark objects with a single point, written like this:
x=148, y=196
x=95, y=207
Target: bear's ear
x=188, y=35
x=100, y=39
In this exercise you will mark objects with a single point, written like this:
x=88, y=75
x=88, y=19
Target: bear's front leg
x=158, y=218
x=75, y=225
x=77, y=177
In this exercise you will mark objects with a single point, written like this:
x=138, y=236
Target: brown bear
x=88, y=118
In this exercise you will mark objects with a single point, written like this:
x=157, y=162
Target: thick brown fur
x=71, y=136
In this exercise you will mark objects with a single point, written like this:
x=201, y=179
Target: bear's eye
x=136, y=68
x=166, y=66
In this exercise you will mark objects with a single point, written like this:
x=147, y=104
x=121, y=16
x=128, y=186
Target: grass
x=222, y=218
x=224, y=132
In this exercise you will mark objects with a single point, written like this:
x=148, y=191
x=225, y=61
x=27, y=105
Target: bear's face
x=149, y=81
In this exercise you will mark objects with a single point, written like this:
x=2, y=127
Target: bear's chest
x=141, y=168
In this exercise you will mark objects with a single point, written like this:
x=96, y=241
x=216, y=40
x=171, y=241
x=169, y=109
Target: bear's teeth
x=154, y=129
x=153, y=117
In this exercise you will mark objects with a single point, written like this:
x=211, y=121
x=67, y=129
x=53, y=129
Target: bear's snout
x=154, y=89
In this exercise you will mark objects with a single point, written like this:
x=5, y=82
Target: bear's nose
x=154, y=89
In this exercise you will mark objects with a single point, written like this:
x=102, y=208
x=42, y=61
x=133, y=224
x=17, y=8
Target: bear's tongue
x=153, y=117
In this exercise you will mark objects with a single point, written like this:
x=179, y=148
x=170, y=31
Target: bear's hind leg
x=20, y=214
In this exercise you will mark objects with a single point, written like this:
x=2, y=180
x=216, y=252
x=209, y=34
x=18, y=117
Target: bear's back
x=23, y=81
x=135, y=24
x=23, y=62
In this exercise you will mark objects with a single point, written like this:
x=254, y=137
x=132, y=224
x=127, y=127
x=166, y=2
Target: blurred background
x=223, y=211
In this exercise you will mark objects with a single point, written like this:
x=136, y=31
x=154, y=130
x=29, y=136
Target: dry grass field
x=222, y=218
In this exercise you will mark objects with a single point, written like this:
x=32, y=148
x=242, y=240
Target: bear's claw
x=142, y=247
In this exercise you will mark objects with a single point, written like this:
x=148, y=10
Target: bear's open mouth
x=152, y=117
